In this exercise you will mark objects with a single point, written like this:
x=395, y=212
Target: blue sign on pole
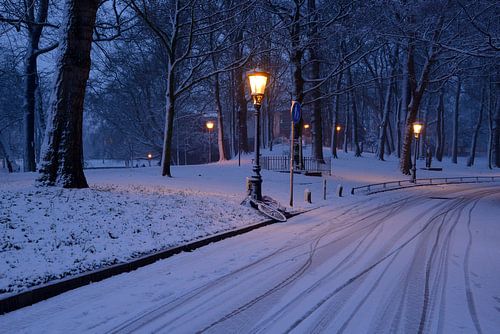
x=296, y=112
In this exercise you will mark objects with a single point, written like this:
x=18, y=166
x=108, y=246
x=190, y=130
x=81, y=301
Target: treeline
x=161, y=69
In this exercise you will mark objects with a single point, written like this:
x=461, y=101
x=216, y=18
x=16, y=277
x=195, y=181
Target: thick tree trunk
x=316, y=120
x=472, y=155
x=454, y=143
x=62, y=149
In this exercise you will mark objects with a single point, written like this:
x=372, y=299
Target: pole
x=292, y=136
x=256, y=179
x=414, y=169
x=209, y=146
x=239, y=140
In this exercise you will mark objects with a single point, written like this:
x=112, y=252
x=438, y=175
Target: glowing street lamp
x=306, y=126
x=210, y=126
x=417, y=129
x=338, y=128
x=258, y=81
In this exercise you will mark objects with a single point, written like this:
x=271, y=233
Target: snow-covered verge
x=50, y=233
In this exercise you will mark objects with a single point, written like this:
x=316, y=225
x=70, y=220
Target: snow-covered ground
x=49, y=233
x=422, y=260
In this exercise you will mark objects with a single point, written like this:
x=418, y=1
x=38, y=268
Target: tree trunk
x=29, y=107
x=62, y=149
x=335, y=123
x=496, y=132
x=385, y=119
x=4, y=150
x=440, y=127
x=169, y=124
x=355, y=136
x=220, y=121
x=347, y=123
x=243, y=109
x=316, y=120
x=472, y=155
x=297, y=78
x=454, y=145
x=491, y=132
x=34, y=32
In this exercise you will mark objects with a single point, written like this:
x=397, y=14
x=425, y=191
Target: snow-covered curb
x=48, y=234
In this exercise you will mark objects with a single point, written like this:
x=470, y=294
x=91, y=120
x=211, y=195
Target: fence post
x=324, y=189
x=307, y=195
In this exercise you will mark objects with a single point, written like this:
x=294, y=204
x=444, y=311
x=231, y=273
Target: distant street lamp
x=210, y=126
x=150, y=156
x=417, y=128
x=338, y=128
x=306, y=127
x=258, y=81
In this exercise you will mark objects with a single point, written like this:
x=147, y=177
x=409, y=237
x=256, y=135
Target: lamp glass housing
x=210, y=125
x=258, y=82
x=417, y=128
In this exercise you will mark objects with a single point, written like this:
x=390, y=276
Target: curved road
x=416, y=261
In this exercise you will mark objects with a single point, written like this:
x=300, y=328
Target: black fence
x=281, y=163
x=393, y=185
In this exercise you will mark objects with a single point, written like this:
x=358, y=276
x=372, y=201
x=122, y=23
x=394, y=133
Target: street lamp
x=417, y=128
x=210, y=126
x=338, y=128
x=258, y=81
x=150, y=156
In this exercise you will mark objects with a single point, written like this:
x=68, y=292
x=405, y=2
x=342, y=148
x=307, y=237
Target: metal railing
x=394, y=185
x=281, y=163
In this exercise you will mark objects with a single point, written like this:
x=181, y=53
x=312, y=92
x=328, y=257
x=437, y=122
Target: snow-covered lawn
x=49, y=233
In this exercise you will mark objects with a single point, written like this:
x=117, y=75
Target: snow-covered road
x=415, y=261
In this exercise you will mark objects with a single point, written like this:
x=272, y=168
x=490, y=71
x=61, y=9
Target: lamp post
x=150, y=156
x=258, y=81
x=338, y=128
x=417, y=128
x=210, y=126
x=306, y=127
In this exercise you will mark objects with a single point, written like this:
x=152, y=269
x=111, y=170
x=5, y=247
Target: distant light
x=306, y=126
x=338, y=128
x=150, y=156
x=210, y=125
